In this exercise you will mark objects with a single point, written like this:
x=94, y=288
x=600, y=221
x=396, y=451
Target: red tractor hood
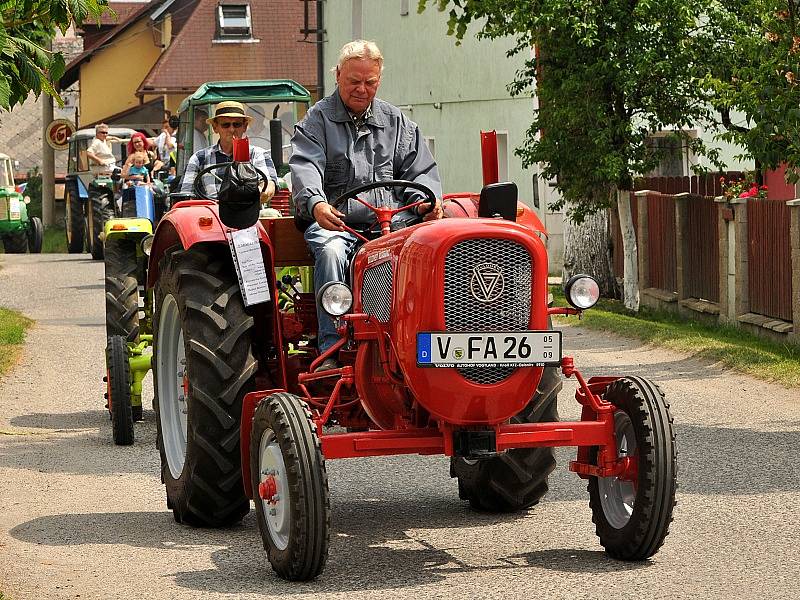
x=418, y=280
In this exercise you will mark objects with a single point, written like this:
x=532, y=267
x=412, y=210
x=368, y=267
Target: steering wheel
x=199, y=189
x=385, y=215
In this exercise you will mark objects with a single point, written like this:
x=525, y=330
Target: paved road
x=80, y=517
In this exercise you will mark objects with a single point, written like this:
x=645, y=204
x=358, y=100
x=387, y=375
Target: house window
x=234, y=22
x=674, y=160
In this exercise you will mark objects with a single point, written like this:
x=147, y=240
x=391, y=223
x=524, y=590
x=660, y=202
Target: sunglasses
x=234, y=124
x=103, y=132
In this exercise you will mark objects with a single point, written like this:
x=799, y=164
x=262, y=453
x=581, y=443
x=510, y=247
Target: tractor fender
x=192, y=222
x=189, y=222
x=116, y=228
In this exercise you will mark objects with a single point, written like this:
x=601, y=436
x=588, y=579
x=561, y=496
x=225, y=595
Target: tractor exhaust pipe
x=276, y=140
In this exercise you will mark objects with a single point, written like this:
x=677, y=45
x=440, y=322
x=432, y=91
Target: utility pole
x=48, y=161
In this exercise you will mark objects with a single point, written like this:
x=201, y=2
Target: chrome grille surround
x=510, y=311
x=376, y=291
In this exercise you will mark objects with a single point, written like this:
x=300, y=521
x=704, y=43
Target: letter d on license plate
x=489, y=349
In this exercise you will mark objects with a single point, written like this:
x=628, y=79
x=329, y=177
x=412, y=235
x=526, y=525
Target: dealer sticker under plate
x=489, y=349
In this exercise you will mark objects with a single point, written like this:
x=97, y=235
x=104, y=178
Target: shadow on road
x=714, y=461
x=371, y=547
x=86, y=434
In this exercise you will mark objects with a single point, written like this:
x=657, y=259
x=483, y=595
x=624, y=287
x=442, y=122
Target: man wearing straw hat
x=229, y=122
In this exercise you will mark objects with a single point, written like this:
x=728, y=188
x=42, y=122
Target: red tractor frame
x=243, y=415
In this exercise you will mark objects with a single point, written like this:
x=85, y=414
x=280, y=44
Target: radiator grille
x=487, y=287
x=376, y=291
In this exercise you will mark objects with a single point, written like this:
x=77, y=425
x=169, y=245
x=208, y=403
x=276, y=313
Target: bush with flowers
x=745, y=187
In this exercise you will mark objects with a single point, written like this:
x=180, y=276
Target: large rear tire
x=516, y=479
x=15, y=243
x=35, y=236
x=102, y=209
x=75, y=220
x=118, y=377
x=632, y=517
x=290, y=484
x=122, y=288
x=203, y=365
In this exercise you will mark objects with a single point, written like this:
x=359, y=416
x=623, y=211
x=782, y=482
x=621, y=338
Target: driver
x=101, y=157
x=229, y=122
x=349, y=139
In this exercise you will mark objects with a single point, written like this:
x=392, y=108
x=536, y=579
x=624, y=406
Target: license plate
x=489, y=349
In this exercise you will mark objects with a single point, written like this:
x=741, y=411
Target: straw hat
x=229, y=108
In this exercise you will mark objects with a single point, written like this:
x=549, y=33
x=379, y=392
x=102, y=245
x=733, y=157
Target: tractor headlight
x=147, y=245
x=582, y=291
x=335, y=298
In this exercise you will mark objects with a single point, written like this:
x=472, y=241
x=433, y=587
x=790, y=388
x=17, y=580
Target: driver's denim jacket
x=329, y=157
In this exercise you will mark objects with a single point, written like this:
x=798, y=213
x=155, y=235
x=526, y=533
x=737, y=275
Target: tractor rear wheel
x=290, y=487
x=35, y=235
x=632, y=516
x=75, y=220
x=102, y=209
x=122, y=288
x=203, y=365
x=118, y=378
x=15, y=243
x=516, y=479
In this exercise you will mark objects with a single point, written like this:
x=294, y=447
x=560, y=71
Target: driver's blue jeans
x=332, y=252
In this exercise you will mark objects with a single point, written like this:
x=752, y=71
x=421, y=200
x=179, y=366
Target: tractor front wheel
x=102, y=209
x=75, y=221
x=35, y=236
x=122, y=288
x=632, y=515
x=290, y=486
x=118, y=379
x=203, y=365
x=516, y=479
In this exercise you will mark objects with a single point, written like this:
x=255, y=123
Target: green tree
x=606, y=75
x=757, y=75
x=26, y=65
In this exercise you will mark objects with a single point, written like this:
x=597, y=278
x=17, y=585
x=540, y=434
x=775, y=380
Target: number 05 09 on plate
x=489, y=349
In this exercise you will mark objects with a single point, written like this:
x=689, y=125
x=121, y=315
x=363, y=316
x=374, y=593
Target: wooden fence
x=701, y=249
x=661, y=245
x=769, y=259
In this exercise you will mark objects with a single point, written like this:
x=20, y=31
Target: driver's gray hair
x=359, y=49
x=100, y=126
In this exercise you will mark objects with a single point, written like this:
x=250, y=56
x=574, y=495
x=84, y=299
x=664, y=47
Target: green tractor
x=275, y=105
x=19, y=231
x=90, y=196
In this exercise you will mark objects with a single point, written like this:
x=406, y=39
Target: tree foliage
x=757, y=74
x=606, y=76
x=26, y=65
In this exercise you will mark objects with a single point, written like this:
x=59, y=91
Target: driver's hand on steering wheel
x=431, y=214
x=328, y=217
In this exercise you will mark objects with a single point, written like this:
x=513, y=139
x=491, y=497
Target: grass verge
x=12, y=335
x=729, y=346
x=54, y=241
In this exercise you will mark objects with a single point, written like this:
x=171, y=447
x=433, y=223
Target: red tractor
x=446, y=348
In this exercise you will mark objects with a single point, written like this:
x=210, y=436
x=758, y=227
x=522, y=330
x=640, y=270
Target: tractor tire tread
x=646, y=405
x=309, y=538
x=516, y=479
x=209, y=491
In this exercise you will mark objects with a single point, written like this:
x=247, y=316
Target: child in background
x=137, y=172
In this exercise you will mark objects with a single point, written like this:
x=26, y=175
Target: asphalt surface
x=82, y=518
